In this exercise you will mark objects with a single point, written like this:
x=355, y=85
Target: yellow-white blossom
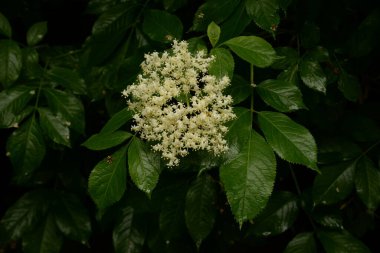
x=178, y=106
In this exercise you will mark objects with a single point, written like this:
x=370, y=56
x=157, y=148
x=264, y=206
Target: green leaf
x=26, y=149
x=223, y=65
x=200, y=210
x=36, y=33
x=290, y=74
x=278, y=216
x=238, y=133
x=68, y=106
x=162, y=26
x=312, y=75
x=25, y=213
x=55, y=127
x=5, y=27
x=349, y=86
x=252, y=49
x=213, y=11
x=341, y=242
x=281, y=95
x=31, y=67
x=144, y=166
x=248, y=178
x=367, y=183
x=334, y=183
x=44, y=239
x=328, y=216
x=106, y=140
x=213, y=33
x=235, y=24
x=10, y=62
x=302, y=243
x=126, y=236
x=239, y=89
x=68, y=79
x=264, y=13
x=72, y=218
x=291, y=141
x=117, y=120
x=107, y=181
x=287, y=57
x=196, y=44
x=12, y=103
x=109, y=30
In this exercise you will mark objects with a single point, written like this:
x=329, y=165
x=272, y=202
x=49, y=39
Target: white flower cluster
x=178, y=105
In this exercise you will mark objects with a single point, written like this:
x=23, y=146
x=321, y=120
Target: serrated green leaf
x=302, y=243
x=213, y=33
x=162, y=26
x=68, y=106
x=106, y=140
x=253, y=49
x=68, y=79
x=10, y=62
x=334, y=183
x=117, y=120
x=281, y=95
x=144, y=166
x=126, y=236
x=349, y=86
x=248, y=178
x=12, y=103
x=72, y=217
x=213, y=11
x=367, y=183
x=223, y=64
x=287, y=57
x=278, y=215
x=264, y=13
x=200, y=210
x=44, y=239
x=5, y=27
x=235, y=24
x=36, y=33
x=25, y=213
x=238, y=132
x=291, y=141
x=107, y=181
x=341, y=242
x=239, y=90
x=55, y=127
x=312, y=75
x=26, y=150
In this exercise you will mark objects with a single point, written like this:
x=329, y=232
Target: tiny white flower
x=178, y=105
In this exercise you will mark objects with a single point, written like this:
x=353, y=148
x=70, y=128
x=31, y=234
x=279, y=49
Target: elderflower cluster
x=178, y=105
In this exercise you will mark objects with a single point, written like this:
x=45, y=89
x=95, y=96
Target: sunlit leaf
x=143, y=165
x=248, y=178
x=107, y=181
x=253, y=49
x=291, y=141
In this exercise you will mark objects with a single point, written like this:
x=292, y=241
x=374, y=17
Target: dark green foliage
x=301, y=174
